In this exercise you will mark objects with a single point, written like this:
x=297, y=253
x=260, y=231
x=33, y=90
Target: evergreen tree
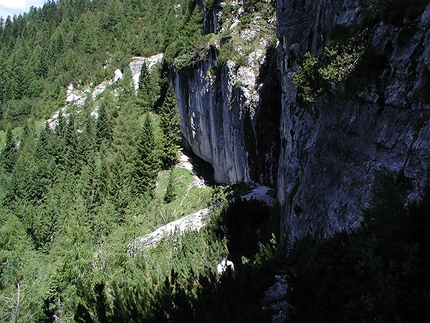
x=169, y=123
x=143, y=90
x=29, y=184
x=146, y=162
x=71, y=146
x=119, y=187
x=9, y=153
x=60, y=125
x=151, y=84
x=87, y=142
x=103, y=126
x=45, y=134
x=170, y=190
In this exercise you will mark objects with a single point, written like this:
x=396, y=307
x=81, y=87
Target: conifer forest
x=80, y=184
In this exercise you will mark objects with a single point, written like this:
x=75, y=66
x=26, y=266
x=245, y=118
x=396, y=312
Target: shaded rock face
x=334, y=151
x=327, y=157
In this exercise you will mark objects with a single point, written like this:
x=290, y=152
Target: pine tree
x=147, y=162
x=9, y=153
x=169, y=123
x=103, y=127
x=170, y=191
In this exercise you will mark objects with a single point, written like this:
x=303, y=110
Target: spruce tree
x=119, y=183
x=169, y=123
x=103, y=127
x=9, y=153
x=71, y=146
x=146, y=162
x=87, y=142
x=170, y=191
x=143, y=90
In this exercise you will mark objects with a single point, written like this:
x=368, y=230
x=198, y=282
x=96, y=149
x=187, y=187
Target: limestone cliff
x=230, y=110
x=326, y=156
x=334, y=150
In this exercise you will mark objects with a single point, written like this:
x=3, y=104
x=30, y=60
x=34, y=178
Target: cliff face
x=212, y=128
x=335, y=150
x=326, y=157
x=229, y=112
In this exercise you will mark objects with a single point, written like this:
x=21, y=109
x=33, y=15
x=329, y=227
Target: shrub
x=332, y=69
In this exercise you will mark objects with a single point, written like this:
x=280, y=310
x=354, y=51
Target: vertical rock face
x=326, y=157
x=212, y=128
x=229, y=112
x=335, y=150
x=226, y=125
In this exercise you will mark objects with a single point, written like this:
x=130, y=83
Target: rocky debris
x=136, y=66
x=192, y=222
x=76, y=97
x=274, y=299
x=260, y=193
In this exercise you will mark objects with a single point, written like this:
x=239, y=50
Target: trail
x=194, y=221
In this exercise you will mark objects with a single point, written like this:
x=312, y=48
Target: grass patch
x=188, y=198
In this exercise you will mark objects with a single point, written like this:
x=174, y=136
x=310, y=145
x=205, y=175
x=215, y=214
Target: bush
x=331, y=70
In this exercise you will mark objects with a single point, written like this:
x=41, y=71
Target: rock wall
x=227, y=126
x=335, y=150
x=326, y=157
x=229, y=113
x=212, y=128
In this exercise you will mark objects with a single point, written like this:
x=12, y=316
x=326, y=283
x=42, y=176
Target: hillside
x=322, y=107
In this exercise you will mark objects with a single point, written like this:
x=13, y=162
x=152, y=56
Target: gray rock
x=334, y=151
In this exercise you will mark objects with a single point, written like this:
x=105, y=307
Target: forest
x=79, y=183
x=78, y=188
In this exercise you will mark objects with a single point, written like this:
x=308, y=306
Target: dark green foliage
x=76, y=197
x=378, y=273
x=170, y=190
x=143, y=93
x=43, y=51
x=9, y=153
x=151, y=85
x=189, y=44
x=71, y=146
x=169, y=124
x=103, y=127
x=147, y=162
x=330, y=70
x=119, y=184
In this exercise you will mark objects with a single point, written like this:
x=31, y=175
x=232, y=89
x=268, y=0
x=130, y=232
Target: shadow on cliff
x=200, y=168
x=377, y=273
x=262, y=132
